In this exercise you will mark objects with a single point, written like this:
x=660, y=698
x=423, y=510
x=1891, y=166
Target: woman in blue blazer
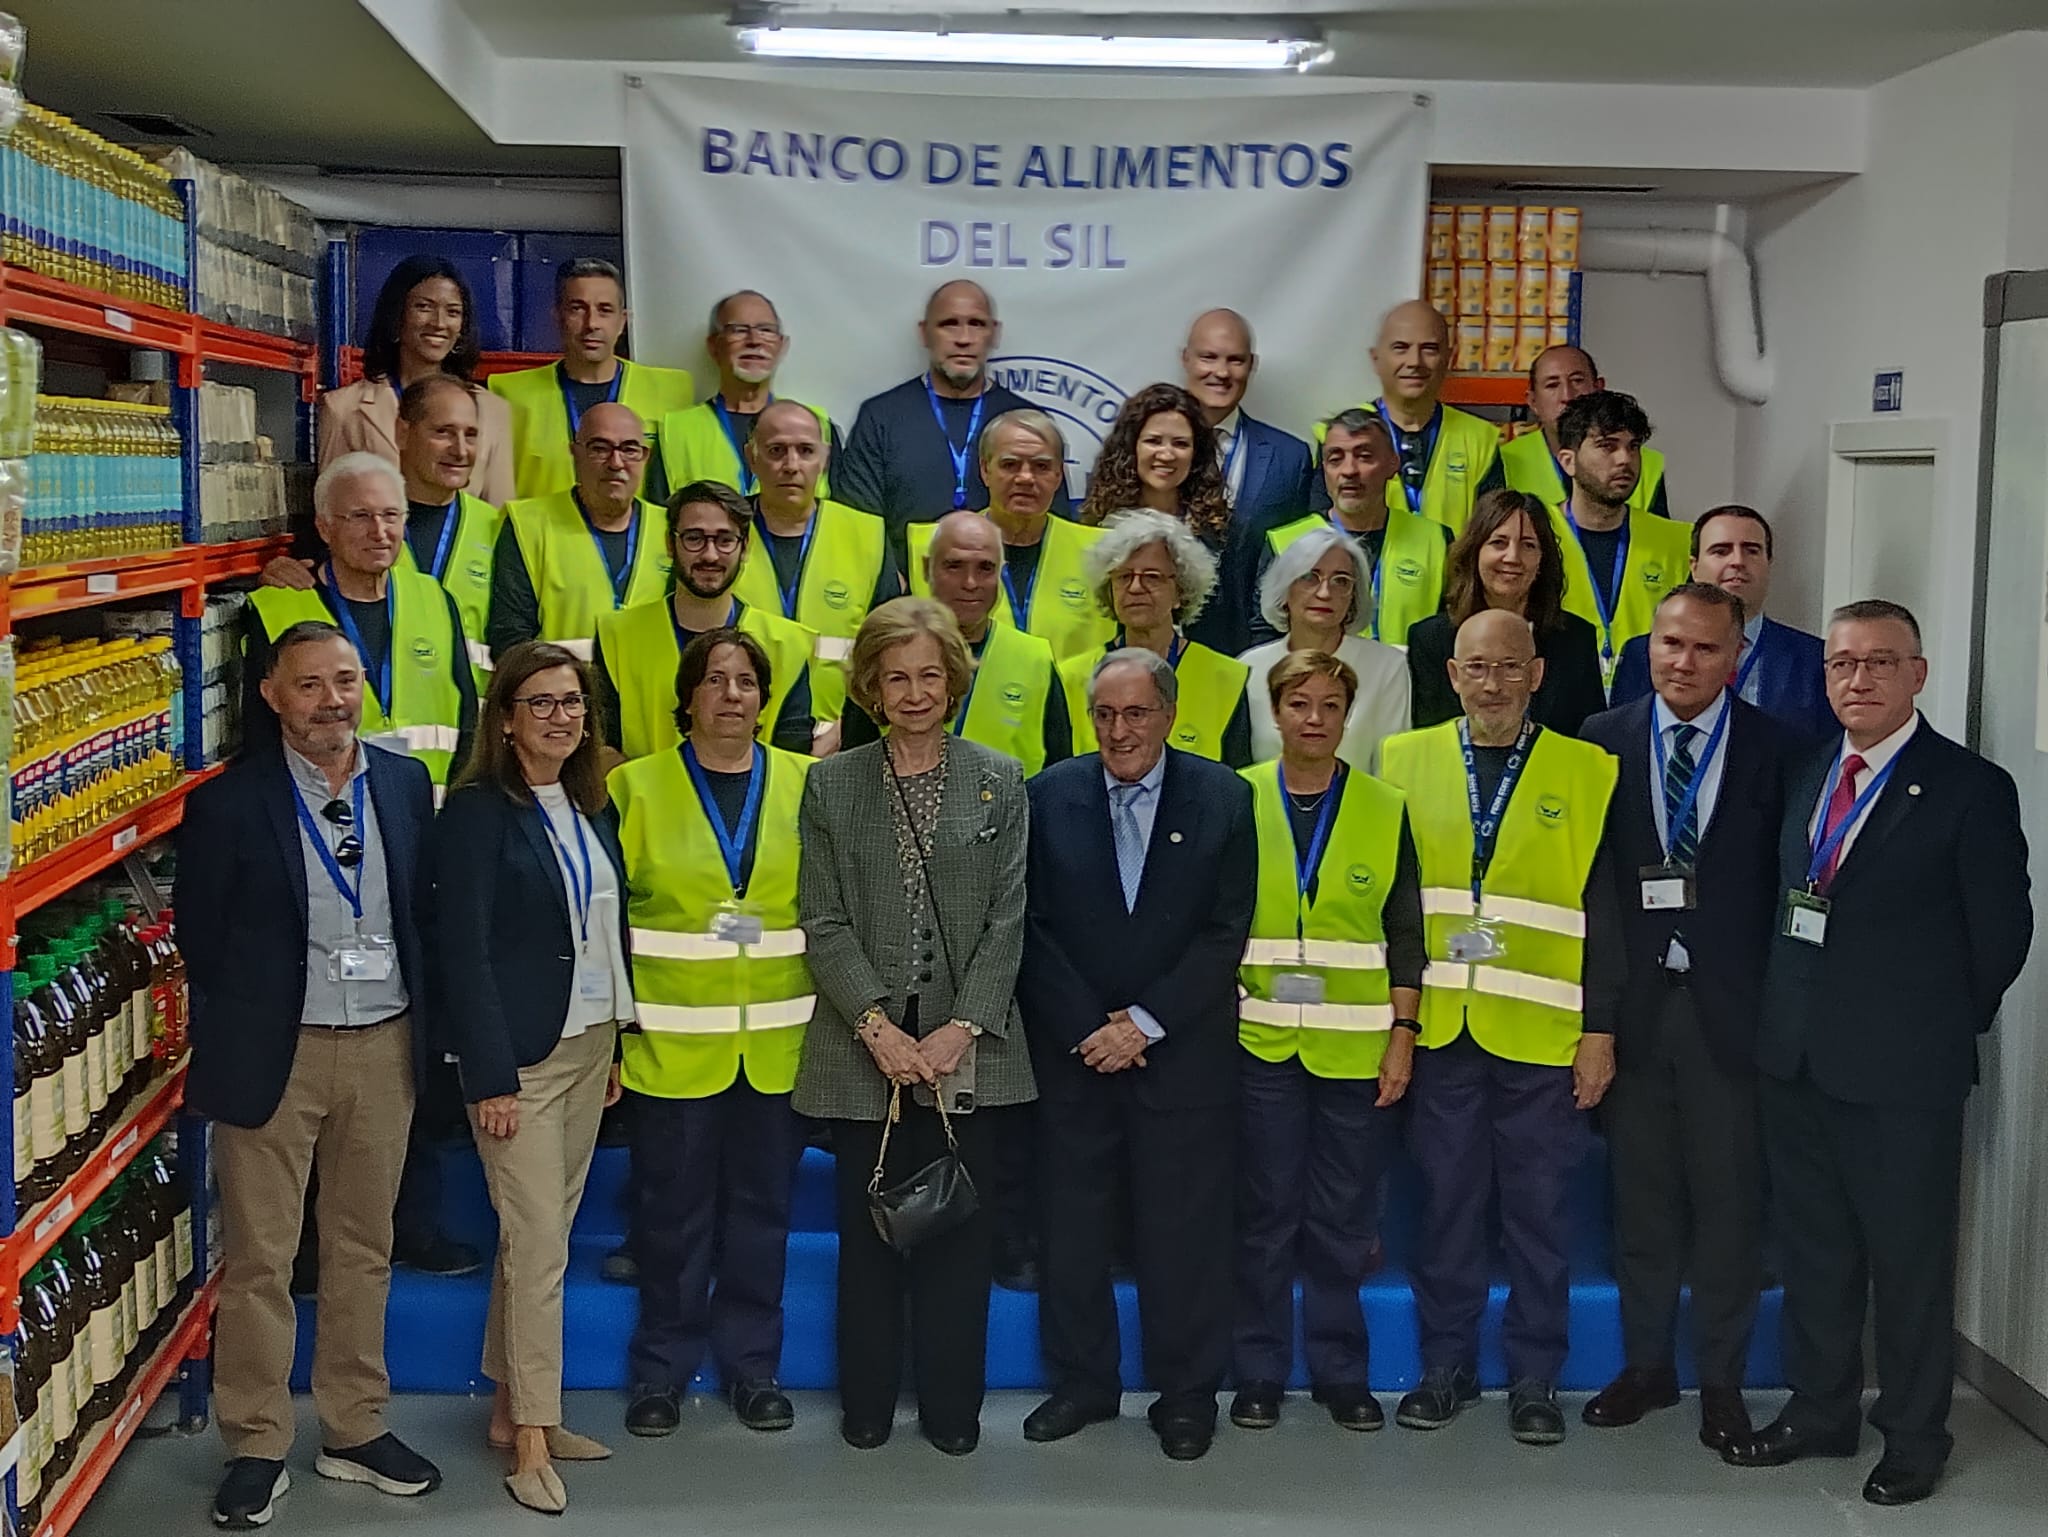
x=531, y=963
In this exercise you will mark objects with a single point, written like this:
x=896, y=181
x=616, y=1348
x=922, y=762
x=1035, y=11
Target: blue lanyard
x=1429, y=437
x=732, y=436
x=569, y=395
x=582, y=873
x=732, y=842
x=1308, y=860
x=1175, y=650
x=623, y=577
x=1602, y=605
x=1699, y=773
x=790, y=593
x=959, y=454
x=447, y=540
x=381, y=683
x=1486, y=824
x=1021, y=607
x=1749, y=662
x=353, y=895
x=1825, y=849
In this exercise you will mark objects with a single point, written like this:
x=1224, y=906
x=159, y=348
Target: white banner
x=1102, y=220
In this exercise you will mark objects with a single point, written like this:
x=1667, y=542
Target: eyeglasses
x=1506, y=672
x=632, y=453
x=388, y=517
x=349, y=852
x=1883, y=667
x=735, y=332
x=1337, y=582
x=723, y=540
x=544, y=706
x=1133, y=716
x=1141, y=579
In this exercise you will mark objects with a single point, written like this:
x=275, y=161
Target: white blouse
x=1381, y=708
x=602, y=989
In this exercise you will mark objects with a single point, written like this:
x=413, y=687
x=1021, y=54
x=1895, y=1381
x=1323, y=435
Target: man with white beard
x=709, y=441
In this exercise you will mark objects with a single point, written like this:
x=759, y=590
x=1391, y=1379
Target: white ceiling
x=320, y=82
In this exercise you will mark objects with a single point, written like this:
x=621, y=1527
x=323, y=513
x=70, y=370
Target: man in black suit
x=1693, y=828
x=1140, y=884
x=296, y=871
x=1906, y=915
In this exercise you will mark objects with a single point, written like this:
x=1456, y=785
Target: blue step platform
x=435, y=1326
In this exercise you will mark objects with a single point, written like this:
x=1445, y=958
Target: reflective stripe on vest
x=569, y=578
x=541, y=464
x=833, y=592
x=694, y=446
x=1526, y=1005
x=639, y=648
x=1062, y=603
x=1410, y=587
x=1006, y=710
x=709, y=1008
x=1211, y=689
x=425, y=701
x=1466, y=446
x=1339, y=935
x=1527, y=463
x=1659, y=558
x=467, y=576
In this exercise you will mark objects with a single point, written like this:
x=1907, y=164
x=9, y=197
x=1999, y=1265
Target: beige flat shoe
x=565, y=1445
x=541, y=1490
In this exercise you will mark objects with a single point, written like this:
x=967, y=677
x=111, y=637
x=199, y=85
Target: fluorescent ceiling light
x=878, y=46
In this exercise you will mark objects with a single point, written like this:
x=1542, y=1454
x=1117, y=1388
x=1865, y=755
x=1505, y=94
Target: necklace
x=1307, y=802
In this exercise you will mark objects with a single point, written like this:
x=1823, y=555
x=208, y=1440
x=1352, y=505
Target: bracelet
x=973, y=1030
x=1413, y=1026
x=867, y=1020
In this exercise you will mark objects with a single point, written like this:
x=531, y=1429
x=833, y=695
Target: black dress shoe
x=1184, y=1438
x=619, y=1268
x=954, y=1443
x=437, y=1255
x=1257, y=1406
x=761, y=1404
x=1724, y=1418
x=1779, y=1443
x=1534, y=1418
x=1060, y=1416
x=864, y=1435
x=653, y=1411
x=1435, y=1401
x=1895, y=1481
x=1017, y=1267
x=1632, y=1395
x=1352, y=1408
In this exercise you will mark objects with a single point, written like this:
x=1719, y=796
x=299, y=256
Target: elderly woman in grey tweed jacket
x=912, y=898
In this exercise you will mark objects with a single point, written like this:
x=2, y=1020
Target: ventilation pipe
x=571, y=205
x=1744, y=367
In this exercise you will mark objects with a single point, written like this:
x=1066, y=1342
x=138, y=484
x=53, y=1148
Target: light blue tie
x=1130, y=843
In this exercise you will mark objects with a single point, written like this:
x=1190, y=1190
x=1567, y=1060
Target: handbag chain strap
x=889, y=1121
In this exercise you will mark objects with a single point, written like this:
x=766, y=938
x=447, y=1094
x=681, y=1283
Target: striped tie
x=1678, y=772
x=1130, y=843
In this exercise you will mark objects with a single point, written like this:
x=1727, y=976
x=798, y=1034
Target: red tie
x=1840, y=804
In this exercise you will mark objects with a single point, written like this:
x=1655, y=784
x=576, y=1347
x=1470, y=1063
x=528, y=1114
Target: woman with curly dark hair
x=1160, y=455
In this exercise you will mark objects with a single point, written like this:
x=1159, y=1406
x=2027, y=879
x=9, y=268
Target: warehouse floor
x=1307, y=1479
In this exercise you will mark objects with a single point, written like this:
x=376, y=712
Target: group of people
x=1116, y=854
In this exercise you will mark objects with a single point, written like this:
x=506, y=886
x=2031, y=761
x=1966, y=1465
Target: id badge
x=1481, y=941
x=368, y=959
x=832, y=648
x=1297, y=987
x=390, y=741
x=1667, y=888
x=735, y=925
x=593, y=976
x=1806, y=918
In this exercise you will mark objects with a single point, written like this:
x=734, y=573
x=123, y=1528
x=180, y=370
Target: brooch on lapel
x=1173, y=837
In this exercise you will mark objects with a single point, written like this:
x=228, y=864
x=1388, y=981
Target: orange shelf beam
x=486, y=365
x=188, y=1341
x=1487, y=390
x=42, y=1226
x=38, y=300
x=43, y=590
x=244, y=557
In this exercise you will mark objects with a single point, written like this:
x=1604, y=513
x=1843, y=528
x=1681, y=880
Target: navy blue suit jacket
x=241, y=900
x=1278, y=467
x=1176, y=955
x=1790, y=683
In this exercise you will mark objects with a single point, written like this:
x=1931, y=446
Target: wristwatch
x=1414, y=1026
x=871, y=1015
x=972, y=1029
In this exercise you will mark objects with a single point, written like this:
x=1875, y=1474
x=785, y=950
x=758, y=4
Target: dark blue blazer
x=1728, y=934
x=1177, y=954
x=1790, y=682
x=1931, y=919
x=241, y=899
x=502, y=954
x=1278, y=467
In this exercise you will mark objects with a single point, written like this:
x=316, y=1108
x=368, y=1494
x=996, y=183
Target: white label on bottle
x=77, y=1115
x=46, y=1111
x=96, y=1071
x=64, y=1381
x=166, y=1271
x=105, y=1340
x=24, y=1133
x=138, y=1014
x=183, y=1229
x=46, y=1422
x=131, y=1327
x=78, y=1368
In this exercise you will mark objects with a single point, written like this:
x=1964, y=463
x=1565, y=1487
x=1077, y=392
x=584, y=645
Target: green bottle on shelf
x=102, y=1299
x=76, y=1363
x=67, y=1031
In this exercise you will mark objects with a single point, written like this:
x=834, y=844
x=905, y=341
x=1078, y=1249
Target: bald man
x=1559, y=376
x=1266, y=472
x=1449, y=458
x=566, y=558
x=818, y=562
x=1518, y=1004
x=913, y=454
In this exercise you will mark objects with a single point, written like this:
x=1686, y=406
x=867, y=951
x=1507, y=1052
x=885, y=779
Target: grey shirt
x=331, y=922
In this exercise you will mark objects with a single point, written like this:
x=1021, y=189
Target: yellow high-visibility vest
x=1527, y=463
x=639, y=648
x=466, y=576
x=1407, y=581
x=1211, y=689
x=696, y=446
x=569, y=575
x=1059, y=604
x=1005, y=704
x=540, y=418
x=1466, y=446
x=1659, y=559
x=833, y=591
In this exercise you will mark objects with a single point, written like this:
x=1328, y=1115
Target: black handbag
x=933, y=1201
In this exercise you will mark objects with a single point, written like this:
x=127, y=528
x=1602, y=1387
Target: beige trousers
x=346, y=1110
x=536, y=1180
